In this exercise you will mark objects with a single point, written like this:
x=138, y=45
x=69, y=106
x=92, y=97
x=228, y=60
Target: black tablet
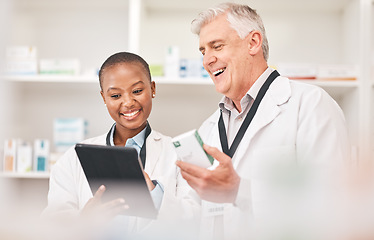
x=121, y=171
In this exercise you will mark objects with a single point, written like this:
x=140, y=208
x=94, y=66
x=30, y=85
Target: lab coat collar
x=278, y=94
x=153, y=151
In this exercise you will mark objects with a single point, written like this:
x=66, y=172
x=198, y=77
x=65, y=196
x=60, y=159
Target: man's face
x=226, y=57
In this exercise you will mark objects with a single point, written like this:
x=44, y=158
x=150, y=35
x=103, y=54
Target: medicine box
x=21, y=60
x=302, y=71
x=67, y=132
x=189, y=148
x=338, y=72
x=59, y=66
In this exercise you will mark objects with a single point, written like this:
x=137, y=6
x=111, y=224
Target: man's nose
x=209, y=58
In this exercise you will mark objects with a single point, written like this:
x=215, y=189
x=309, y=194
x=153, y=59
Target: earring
x=153, y=95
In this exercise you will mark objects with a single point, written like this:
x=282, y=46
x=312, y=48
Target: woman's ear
x=254, y=42
x=102, y=95
x=153, y=89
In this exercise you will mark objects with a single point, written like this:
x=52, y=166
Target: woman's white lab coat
x=295, y=123
x=69, y=190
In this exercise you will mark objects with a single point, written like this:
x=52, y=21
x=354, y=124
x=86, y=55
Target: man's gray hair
x=242, y=19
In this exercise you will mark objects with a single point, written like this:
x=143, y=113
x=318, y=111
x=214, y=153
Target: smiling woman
x=127, y=91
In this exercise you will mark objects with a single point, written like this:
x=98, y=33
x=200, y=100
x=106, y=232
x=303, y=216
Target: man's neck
x=252, y=79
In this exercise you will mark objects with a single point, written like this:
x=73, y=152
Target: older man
x=271, y=137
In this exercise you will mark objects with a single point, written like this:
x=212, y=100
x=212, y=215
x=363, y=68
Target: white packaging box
x=21, y=53
x=24, y=157
x=172, y=62
x=21, y=60
x=189, y=148
x=194, y=68
x=10, y=153
x=21, y=67
x=41, y=155
x=183, y=68
x=67, y=132
x=337, y=72
x=59, y=66
x=298, y=70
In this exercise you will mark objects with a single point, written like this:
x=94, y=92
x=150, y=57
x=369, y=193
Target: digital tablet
x=120, y=170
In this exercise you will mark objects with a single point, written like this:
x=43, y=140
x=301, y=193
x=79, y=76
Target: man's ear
x=254, y=42
x=102, y=95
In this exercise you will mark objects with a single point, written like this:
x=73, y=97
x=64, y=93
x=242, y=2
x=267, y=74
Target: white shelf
x=158, y=80
x=186, y=80
x=29, y=175
x=332, y=83
x=51, y=78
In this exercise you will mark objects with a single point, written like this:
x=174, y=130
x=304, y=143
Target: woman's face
x=127, y=93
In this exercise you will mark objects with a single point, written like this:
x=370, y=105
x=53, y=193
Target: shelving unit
x=298, y=31
x=27, y=175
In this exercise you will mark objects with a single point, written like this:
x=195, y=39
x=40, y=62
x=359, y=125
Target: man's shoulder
x=209, y=123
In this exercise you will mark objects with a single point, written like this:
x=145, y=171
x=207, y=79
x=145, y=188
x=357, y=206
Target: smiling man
x=275, y=141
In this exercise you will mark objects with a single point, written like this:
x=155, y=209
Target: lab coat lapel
x=213, y=139
x=153, y=151
x=278, y=93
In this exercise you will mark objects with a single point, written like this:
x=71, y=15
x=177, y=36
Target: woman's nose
x=127, y=100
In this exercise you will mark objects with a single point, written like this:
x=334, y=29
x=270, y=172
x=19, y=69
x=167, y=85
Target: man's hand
x=219, y=185
x=94, y=207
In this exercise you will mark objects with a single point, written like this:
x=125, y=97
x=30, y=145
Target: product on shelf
x=67, y=132
x=59, y=66
x=337, y=72
x=10, y=152
x=302, y=71
x=24, y=157
x=171, y=68
x=41, y=155
x=21, y=60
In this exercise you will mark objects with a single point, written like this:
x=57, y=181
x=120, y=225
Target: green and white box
x=189, y=147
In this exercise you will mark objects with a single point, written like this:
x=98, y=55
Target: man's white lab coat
x=298, y=135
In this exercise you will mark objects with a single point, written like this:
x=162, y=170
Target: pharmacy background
x=23, y=156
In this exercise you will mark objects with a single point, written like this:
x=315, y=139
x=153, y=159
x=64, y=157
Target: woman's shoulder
x=99, y=140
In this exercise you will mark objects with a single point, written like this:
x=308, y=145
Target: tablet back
x=121, y=171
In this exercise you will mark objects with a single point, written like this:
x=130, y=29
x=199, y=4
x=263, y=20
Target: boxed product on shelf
x=337, y=72
x=21, y=60
x=41, y=155
x=67, y=132
x=302, y=71
x=59, y=66
x=24, y=157
x=10, y=152
x=192, y=68
x=172, y=67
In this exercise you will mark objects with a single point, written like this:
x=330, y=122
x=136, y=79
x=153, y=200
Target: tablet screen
x=121, y=171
